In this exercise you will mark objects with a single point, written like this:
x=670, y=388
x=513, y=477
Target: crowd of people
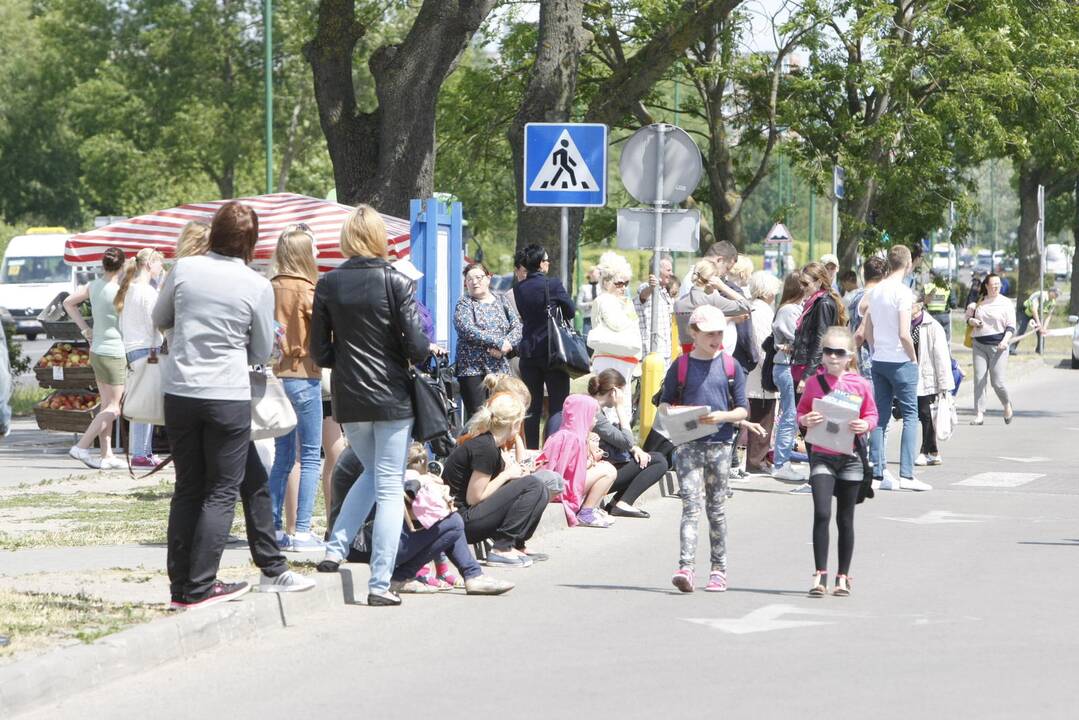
x=758, y=353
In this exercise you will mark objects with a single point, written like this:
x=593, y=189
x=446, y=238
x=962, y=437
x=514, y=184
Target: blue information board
x=565, y=164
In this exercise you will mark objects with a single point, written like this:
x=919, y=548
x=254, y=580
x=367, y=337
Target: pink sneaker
x=683, y=580
x=717, y=581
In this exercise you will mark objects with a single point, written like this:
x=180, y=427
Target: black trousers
x=510, y=515
x=536, y=378
x=258, y=517
x=632, y=479
x=210, y=442
x=472, y=393
x=929, y=429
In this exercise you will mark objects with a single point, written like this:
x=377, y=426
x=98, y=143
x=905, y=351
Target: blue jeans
x=142, y=434
x=382, y=448
x=898, y=381
x=306, y=397
x=788, y=410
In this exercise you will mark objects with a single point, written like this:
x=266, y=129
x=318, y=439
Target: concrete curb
x=67, y=671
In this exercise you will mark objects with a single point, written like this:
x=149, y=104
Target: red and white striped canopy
x=160, y=230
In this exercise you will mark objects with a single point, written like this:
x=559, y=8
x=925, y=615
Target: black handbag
x=566, y=349
x=430, y=404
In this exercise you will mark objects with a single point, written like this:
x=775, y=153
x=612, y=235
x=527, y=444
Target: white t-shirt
x=886, y=301
x=136, y=325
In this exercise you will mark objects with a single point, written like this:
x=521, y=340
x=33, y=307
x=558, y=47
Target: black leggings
x=632, y=479
x=557, y=383
x=846, y=497
x=472, y=393
x=929, y=430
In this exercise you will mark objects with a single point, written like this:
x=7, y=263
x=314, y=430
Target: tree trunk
x=1073, y=301
x=1030, y=177
x=386, y=157
x=290, y=143
x=549, y=98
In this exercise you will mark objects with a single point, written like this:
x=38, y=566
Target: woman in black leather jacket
x=822, y=308
x=365, y=326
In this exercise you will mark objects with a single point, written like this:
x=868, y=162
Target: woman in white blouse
x=135, y=302
x=616, y=333
x=992, y=318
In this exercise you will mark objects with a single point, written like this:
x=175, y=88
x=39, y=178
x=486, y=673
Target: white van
x=32, y=274
x=944, y=258
x=1057, y=261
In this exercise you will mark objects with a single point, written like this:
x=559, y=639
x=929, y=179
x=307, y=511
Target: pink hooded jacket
x=566, y=452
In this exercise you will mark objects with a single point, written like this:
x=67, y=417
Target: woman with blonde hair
x=366, y=328
x=616, y=332
x=135, y=302
x=498, y=497
x=709, y=289
x=763, y=288
x=294, y=274
x=194, y=240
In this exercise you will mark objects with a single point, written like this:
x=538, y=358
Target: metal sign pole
x=661, y=139
x=563, y=250
x=1041, y=261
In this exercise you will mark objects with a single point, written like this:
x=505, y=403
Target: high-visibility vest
x=937, y=301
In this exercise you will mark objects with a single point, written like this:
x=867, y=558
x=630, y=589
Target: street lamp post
x=267, y=21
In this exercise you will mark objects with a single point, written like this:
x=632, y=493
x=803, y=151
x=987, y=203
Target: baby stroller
x=438, y=421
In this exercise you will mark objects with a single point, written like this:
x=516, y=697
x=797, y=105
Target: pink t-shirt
x=849, y=383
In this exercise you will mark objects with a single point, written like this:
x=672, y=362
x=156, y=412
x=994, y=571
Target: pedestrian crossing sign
x=565, y=164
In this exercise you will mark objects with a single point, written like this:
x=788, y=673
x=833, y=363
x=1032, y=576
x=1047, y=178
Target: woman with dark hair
x=637, y=470
x=487, y=331
x=822, y=309
x=784, y=328
x=533, y=296
x=107, y=358
x=220, y=313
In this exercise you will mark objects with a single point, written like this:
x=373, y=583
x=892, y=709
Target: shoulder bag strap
x=683, y=372
x=728, y=370
x=824, y=386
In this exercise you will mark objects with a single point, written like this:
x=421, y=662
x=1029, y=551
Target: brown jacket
x=293, y=300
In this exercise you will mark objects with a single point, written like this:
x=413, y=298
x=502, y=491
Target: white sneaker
x=787, y=473
x=913, y=484
x=934, y=460
x=113, y=463
x=287, y=581
x=921, y=460
x=803, y=489
x=888, y=482
x=84, y=457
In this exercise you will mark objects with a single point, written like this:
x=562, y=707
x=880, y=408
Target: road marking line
x=1036, y=458
x=1000, y=479
x=764, y=619
x=938, y=517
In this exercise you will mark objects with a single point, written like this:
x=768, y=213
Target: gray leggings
x=990, y=367
x=703, y=470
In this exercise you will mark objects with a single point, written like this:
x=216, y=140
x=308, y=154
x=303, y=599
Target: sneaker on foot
x=914, y=484
x=788, y=473
x=142, y=461
x=934, y=460
x=921, y=461
x=717, y=581
x=411, y=587
x=84, y=457
x=683, y=580
x=306, y=542
x=284, y=541
x=487, y=585
x=589, y=517
x=113, y=463
x=803, y=489
x=888, y=482
x=219, y=593
x=287, y=581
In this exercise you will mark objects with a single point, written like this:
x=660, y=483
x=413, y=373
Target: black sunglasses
x=621, y=283
x=835, y=352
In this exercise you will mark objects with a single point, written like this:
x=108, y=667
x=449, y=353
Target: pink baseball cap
x=708, y=318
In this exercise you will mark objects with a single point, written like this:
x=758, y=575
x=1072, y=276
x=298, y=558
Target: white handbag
x=144, y=400
x=605, y=341
x=272, y=414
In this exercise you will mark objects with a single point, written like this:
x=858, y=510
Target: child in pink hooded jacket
x=567, y=452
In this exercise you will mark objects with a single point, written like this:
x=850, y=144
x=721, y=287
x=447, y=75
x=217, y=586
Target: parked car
x=983, y=262
x=966, y=258
x=1058, y=262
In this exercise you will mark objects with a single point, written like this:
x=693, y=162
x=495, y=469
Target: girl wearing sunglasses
x=832, y=473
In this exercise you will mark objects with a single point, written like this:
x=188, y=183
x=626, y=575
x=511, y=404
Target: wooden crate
x=76, y=378
x=75, y=421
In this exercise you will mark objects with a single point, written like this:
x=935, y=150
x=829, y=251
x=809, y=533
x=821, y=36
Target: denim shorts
x=840, y=467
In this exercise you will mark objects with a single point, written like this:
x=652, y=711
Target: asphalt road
x=963, y=607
